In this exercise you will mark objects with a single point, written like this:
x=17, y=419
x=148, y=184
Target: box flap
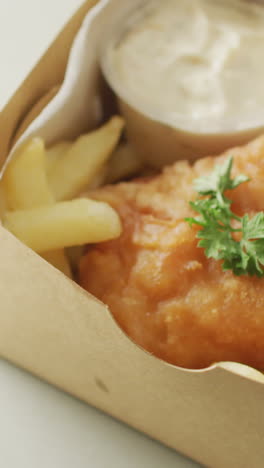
x=53, y=328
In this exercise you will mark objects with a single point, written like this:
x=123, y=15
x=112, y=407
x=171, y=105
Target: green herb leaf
x=219, y=180
x=253, y=228
x=216, y=236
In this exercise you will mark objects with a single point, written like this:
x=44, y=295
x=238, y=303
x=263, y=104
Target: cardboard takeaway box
x=57, y=331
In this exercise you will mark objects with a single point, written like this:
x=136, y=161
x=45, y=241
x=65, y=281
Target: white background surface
x=40, y=426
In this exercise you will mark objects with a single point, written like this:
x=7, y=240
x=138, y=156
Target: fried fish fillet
x=161, y=289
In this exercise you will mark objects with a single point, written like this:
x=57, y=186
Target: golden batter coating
x=161, y=289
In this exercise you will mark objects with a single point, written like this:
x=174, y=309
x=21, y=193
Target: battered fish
x=162, y=290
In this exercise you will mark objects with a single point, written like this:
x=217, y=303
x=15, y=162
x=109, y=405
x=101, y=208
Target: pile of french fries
x=39, y=187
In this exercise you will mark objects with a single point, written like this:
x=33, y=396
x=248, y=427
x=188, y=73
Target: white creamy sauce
x=198, y=64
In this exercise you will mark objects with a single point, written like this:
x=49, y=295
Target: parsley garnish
x=218, y=224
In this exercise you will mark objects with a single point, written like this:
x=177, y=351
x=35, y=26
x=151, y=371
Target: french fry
x=25, y=185
x=99, y=179
x=123, y=163
x=73, y=172
x=64, y=224
x=55, y=152
x=24, y=181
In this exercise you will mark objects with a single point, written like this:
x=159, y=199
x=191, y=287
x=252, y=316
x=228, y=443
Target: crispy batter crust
x=162, y=290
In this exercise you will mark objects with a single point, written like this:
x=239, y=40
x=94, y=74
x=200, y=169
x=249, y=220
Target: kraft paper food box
x=57, y=331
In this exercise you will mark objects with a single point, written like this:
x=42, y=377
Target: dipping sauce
x=194, y=64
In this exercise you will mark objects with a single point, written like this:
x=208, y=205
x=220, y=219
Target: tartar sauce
x=195, y=63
